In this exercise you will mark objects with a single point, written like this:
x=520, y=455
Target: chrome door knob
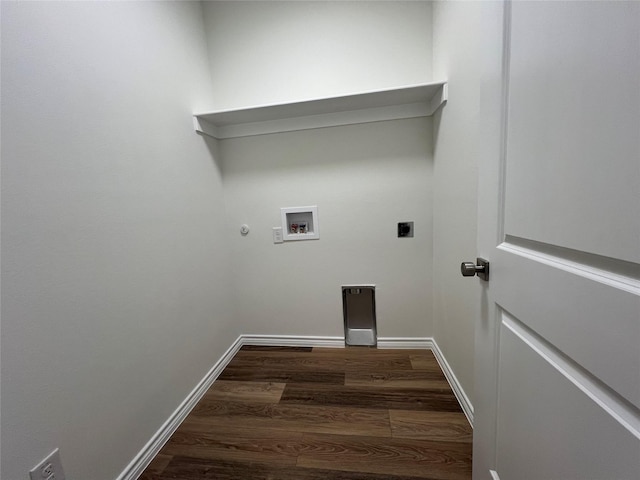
x=470, y=269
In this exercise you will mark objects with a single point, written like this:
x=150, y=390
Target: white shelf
x=403, y=102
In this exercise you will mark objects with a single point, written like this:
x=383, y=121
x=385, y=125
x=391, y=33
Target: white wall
x=456, y=57
x=282, y=51
x=114, y=264
x=364, y=179
x=119, y=288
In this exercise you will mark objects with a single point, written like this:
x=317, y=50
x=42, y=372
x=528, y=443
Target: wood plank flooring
x=278, y=413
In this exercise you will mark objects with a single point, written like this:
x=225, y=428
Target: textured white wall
x=282, y=51
x=457, y=57
x=114, y=265
x=364, y=179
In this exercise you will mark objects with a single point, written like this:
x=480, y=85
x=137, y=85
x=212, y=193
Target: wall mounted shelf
x=403, y=102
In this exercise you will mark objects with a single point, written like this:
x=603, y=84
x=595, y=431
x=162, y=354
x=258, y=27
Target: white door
x=558, y=345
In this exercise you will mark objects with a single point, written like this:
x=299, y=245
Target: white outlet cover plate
x=277, y=235
x=36, y=473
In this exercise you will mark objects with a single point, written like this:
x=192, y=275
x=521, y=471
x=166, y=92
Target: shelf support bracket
x=205, y=128
x=439, y=98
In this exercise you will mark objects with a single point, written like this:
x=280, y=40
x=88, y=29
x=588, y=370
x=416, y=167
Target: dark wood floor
x=322, y=414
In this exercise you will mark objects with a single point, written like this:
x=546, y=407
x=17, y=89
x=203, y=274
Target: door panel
x=548, y=427
x=589, y=314
x=558, y=344
x=574, y=126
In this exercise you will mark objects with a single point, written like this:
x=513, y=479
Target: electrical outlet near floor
x=50, y=468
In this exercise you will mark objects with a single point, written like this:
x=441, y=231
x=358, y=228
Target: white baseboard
x=151, y=449
x=405, y=342
x=153, y=446
x=292, y=341
x=458, y=391
x=335, y=342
